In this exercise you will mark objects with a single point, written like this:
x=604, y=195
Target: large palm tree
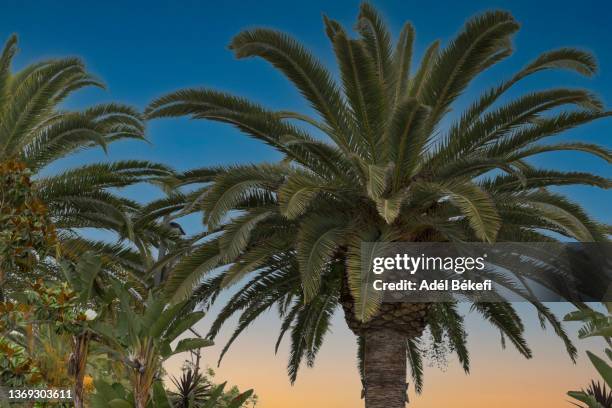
x=393, y=165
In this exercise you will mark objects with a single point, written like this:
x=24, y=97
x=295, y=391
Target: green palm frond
x=318, y=240
x=262, y=253
x=8, y=52
x=503, y=316
x=363, y=91
x=589, y=148
x=564, y=58
x=532, y=179
x=502, y=122
x=402, y=61
x=258, y=297
x=377, y=39
x=237, y=186
x=189, y=271
x=298, y=192
x=415, y=360
x=405, y=139
x=447, y=316
x=367, y=301
x=237, y=233
x=417, y=83
x=303, y=69
x=475, y=204
x=311, y=324
x=483, y=37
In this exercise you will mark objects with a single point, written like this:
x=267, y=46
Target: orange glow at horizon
x=498, y=378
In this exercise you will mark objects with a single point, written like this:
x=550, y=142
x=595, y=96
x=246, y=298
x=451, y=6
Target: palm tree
x=127, y=263
x=35, y=132
x=192, y=389
x=387, y=169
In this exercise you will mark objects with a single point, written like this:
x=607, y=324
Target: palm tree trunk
x=78, y=364
x=143, y=377
x=385, y=369
x=141, y=400
x=139, y=387
x=1, y=284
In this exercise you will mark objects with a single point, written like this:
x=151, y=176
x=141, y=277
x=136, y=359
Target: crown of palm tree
x=36, y=131
x=393, y=165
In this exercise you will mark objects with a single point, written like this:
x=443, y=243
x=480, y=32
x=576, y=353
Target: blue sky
x=145, y=49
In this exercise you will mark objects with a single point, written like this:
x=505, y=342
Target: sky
x=143, y=49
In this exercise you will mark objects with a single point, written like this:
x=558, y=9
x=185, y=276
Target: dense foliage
x=596, y=324
x=58, y=288
x=27, y=233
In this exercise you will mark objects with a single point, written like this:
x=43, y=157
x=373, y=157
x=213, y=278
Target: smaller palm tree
x=595, y=324
x=144, y=336
x=596, y=395
x=192, y=390
x=36, y=132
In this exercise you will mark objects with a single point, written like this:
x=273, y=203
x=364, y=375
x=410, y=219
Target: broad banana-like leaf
x=602, y=367
x=191, y=344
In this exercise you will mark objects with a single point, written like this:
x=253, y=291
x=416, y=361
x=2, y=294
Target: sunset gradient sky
x=499, y=378
x=143, y=49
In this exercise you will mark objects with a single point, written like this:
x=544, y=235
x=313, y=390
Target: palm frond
x=402, y=61
x=306, y=73
x=464, y=58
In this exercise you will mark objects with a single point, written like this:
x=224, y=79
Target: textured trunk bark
x=141, y=396
x=385, y=369
x=385, y=336
x=141, y=402
x=78, y=364
x=140, y=387
x=1, y=286
x=79, y=394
